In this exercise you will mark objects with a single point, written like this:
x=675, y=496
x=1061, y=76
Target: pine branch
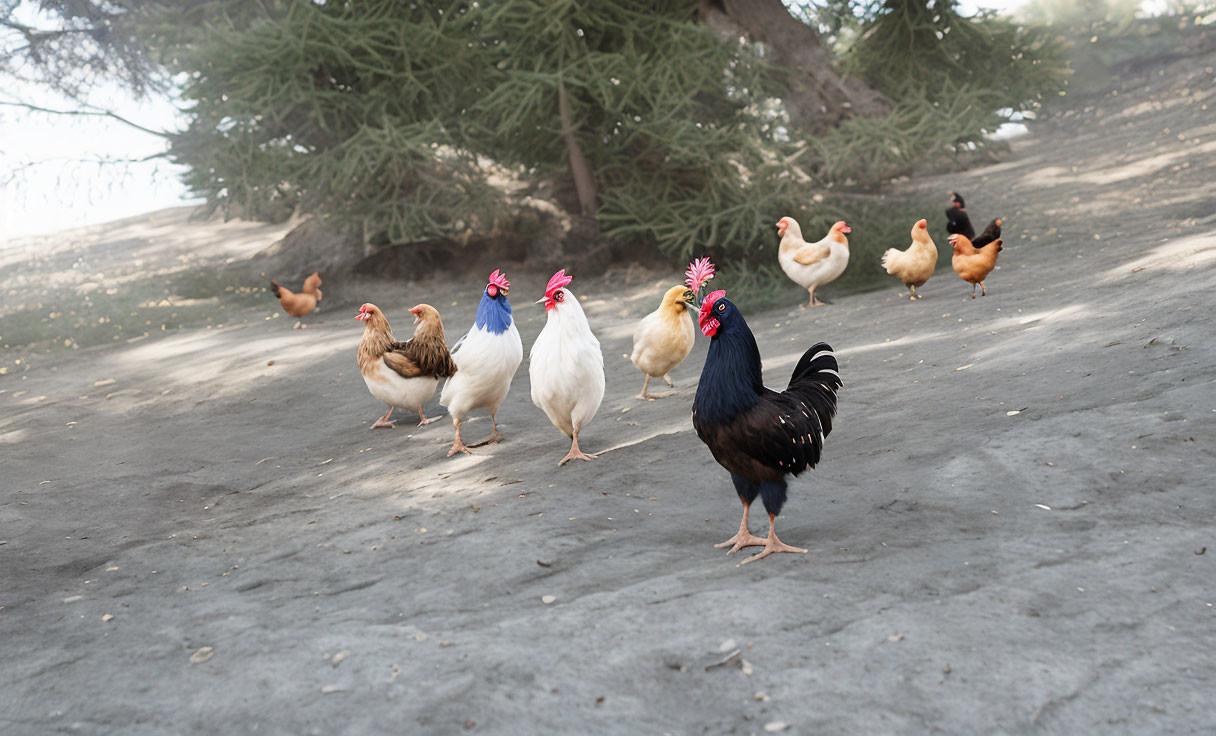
x=94, y=112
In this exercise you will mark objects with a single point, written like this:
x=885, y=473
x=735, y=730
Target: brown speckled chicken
x=915, y=265
x=403, y=375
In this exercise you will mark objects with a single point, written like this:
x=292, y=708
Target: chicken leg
x=772, y=544
x=493, y=438
x=813, y=302
x=423, y=420
x=383, y=422
x=652, y=397
x=743, y=538
x=457, y=445
x=575, y=453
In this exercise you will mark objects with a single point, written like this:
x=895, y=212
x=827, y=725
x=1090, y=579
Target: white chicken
x=566, y=366
x=812, y=264
x=486, y=360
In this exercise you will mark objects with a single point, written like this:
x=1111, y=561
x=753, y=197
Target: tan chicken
x=403, y=375
x=298, y=305
x=812, y=264
x=664, y=338
x=974, y=264
x=915, y=265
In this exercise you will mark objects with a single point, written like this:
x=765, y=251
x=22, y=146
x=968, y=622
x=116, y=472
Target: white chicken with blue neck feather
x=566, y=366
x=486, y=360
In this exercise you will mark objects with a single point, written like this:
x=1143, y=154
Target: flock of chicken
x=758, y=435
x=811, y=265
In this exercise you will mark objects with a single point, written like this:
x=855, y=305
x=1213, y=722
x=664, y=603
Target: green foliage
x=72, y=46
x=409, y=117
x=953, y=80
x=914, y=133
x=338, y=112
x=429, y=120
x=940, y=52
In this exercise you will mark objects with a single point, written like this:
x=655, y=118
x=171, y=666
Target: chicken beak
x=541, y=300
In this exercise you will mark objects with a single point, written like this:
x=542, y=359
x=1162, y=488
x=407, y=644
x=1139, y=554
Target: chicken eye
x=560, y=296
x=721, y=307
x=492, y=290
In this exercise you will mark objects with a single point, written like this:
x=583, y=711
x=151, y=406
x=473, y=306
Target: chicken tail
x=274, y=288
x=888, y=259
x=816, y=380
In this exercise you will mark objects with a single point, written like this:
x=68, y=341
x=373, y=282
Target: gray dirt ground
x=971, y=570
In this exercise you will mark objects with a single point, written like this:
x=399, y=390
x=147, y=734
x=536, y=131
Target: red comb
x=699, y=272
x=708, y=304
x=559, y=280
x=499, y=279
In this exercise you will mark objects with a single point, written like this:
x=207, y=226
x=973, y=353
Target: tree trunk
x=586, y=229
x=818, y=99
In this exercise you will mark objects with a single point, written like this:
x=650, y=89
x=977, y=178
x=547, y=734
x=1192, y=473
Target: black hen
x=759, y=435
x=991, y=233
x=958, y=222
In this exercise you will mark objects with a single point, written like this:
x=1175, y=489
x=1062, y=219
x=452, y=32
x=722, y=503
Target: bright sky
x=58, y=181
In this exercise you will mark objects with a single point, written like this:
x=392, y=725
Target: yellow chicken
x=664, y=338
x=915, y=265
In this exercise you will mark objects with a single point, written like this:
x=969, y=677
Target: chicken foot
x=575, y=453
x=652, y=397
x=813, y=302
x=913, y=296
x=772, y=544
x=457, y=445
x=743, y=538
x=423, y=420
x=383, y=422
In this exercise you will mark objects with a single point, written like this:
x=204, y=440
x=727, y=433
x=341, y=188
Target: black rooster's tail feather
x=818, y=364
x=274, y=288
x=816, y=380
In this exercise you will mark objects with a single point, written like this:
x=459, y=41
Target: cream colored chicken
x=812, y=264
x=915, y=265
x=663, y=339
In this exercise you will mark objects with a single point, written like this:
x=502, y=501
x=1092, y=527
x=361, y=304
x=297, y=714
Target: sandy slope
x=359, y=582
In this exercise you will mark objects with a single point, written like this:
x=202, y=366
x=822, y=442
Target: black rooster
x=958, y=222
x=991, y=233
x=758, y=434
